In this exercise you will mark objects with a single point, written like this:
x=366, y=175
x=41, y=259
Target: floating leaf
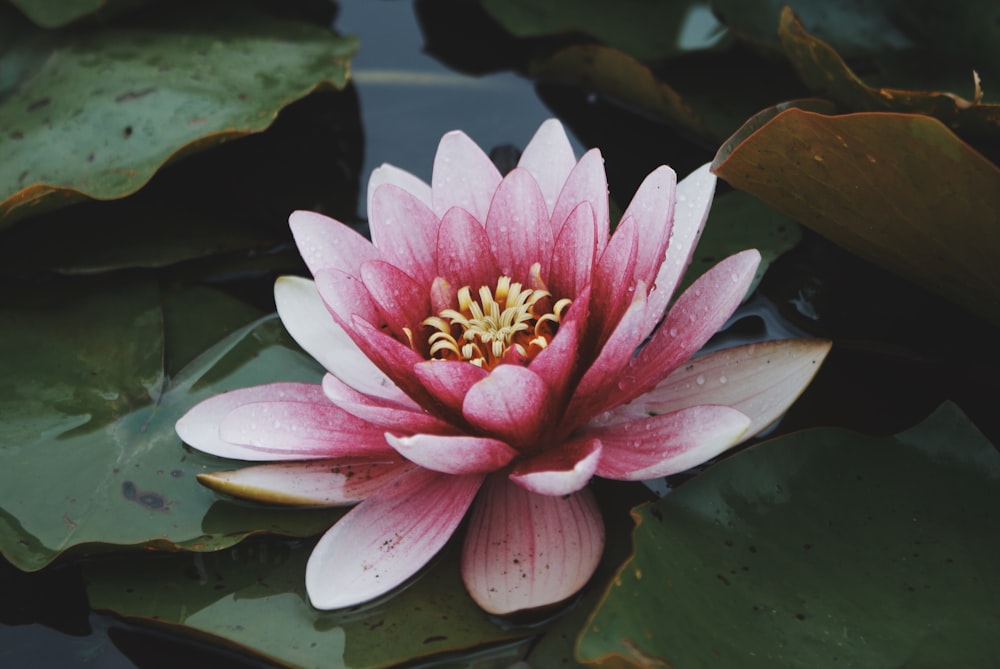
x=617, y=75
x=820, y=549
x=826, y=74
x=94, y=115
x=90, y=389
x=57, y=13
x=254, y=596
x=666, y=29
x=310, y=158
x=899, y=190
x=856, y=28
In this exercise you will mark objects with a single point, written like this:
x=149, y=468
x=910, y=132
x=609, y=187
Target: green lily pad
x=95, y=114
x=308, y=159
x=666, y=29
x=899, y=190
x=57, y=13
x=90, y=388
x=824, y=548
x=823, y=70
x=254, y=596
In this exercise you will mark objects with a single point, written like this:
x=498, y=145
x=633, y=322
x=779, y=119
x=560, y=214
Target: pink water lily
x=495, y=347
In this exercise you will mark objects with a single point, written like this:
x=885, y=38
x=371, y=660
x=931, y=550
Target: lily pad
x=856, y=28
x=824, y=71
x=824, y=548
x=619, y=76
x=254, y=596
x=900, y=190
x=57, y=13
x=95, y=376
x=95, y=114
x=666, y=29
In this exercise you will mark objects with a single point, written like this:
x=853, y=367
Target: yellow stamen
x=484, y=331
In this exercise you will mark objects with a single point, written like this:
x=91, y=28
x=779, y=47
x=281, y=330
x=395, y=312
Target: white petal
x=760, y=380
x=550, y=158
x=309, y=322
x=525, y=551
x=390, y=174
x=199, y=427
x=385, y=540
x=335, y=482
x=694, y=200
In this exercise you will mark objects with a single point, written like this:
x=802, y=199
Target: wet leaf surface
x=900, y=190
x=95, y=114
x=824, y=548
x=824, y=71
x=56, y=13
x=254, y=596
x=89, y=454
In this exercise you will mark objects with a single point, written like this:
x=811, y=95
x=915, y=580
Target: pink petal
x=390, y=174
x=517, y=226
x=662, y=445
x=613, y=283
x=526, y=551
x=404, y=417
x=346, y=296
x=199, y=427
x=574, y=253
x=612, y=367
x=560, y=470
x=463, y=177
x=325, y=243
x=449, y=380
x=384, y=541
x=556, y=364
x=310, y=323
x=550, y=158
x=336, y=482
x=698, y=314
x=299, y=430
x=512, y=404
x=586, y=183
x=460, y=454
x=405, y=231
x=652, y=207
x=464, y=255
x=694, y=199
x=759, y=380
x=395, y=359
x=402, y=301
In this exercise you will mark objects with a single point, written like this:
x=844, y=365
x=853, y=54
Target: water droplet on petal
x=700, y=380
x=723, y=379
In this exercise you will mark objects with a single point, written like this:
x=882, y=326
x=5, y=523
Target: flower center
x=485, y=331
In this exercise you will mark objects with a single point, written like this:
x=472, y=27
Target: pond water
x=885, y=374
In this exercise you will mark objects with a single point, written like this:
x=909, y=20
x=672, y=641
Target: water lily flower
x=493, y=348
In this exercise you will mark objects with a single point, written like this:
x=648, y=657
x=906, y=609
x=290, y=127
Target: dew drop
x=673, y=332
x=700, y=380
x=723, y=379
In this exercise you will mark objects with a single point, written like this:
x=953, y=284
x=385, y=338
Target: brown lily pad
x=900, y=190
